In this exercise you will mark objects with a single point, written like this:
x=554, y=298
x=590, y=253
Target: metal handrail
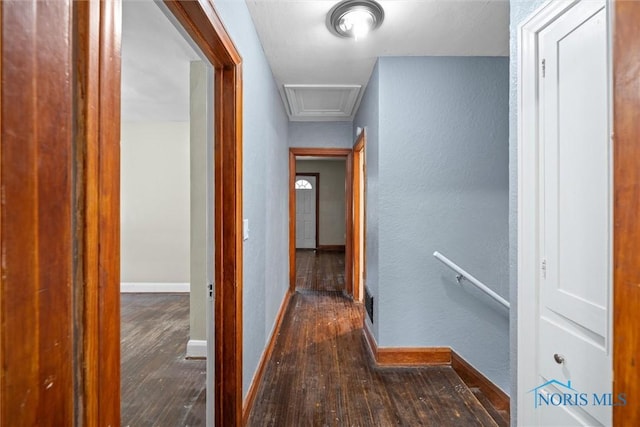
x=462, y=274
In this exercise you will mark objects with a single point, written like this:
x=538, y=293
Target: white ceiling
x=302, y=51
x=155, y=65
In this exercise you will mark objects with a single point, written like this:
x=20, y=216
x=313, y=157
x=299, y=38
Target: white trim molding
x=150, y=287
x=528, y=203
x=322, y=102
x=196, y=349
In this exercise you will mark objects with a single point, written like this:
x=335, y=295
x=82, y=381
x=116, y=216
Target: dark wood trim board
x=626, y=200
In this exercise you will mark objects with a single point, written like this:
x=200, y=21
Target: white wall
x=331, y=221
x=155, y=202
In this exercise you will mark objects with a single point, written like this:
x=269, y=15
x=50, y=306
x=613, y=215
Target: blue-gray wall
x=265, y=169
x=442, y=184
x=520, y=10
x=320, y=134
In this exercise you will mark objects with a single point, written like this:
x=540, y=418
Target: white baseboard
x=147, y=287
x=197, y=349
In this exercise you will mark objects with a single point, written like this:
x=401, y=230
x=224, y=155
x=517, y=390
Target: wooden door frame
x=347, y=154
x=625, y=16
x=317, y=213
x=202, y=22
x=84, y=147
x=359, y=228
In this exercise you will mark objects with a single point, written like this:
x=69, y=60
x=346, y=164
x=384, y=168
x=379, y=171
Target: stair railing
x=462, y=274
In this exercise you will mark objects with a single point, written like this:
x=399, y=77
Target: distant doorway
x=300, y=229
x=307, y=205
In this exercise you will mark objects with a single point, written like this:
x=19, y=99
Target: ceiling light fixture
x=355, y=18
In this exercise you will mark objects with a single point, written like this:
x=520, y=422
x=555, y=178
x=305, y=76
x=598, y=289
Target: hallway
x=320, y=372
x=319, y=271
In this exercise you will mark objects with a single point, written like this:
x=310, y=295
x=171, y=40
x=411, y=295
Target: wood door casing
x=626, y=228
x=347, y=154
x=59, y=217
x=359, y=217
x=37, y=354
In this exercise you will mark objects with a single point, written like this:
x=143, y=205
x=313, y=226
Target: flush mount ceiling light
x=354, y=18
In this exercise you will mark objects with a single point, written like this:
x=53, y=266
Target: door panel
x=576, y=181
x=575, y=231
x=306, y=214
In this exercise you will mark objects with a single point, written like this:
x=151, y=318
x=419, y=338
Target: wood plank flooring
x=159, y=386
x=319, y=271
x=321, y=374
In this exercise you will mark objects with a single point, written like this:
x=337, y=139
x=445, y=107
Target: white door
x=575, y=231
x=306, y=189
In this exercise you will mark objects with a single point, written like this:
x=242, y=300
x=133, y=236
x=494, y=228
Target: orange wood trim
x=320, y=152
x=474, y=379
x=348, y=251
x=317, y=177
x=413, y=356
x=86, y=23
x=97, y=173
x=37, y=349
x=204, y=25
x=292, y=222
x=346, y=153
x=626, y=231
x=266, y=355
x=202, y=22
x=358, y=225
x=406, y=356
x=372, y=345
x=228, y=261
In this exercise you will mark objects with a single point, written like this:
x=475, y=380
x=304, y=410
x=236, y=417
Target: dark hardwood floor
x=319, y=271
x=321, y=374
x=159, y=386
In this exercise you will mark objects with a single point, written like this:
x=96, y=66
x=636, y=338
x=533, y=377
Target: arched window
x=303, y=184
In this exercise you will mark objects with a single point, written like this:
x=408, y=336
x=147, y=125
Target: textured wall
x=266, y=198
x=520, y=10
x=155, y=202
x=443, y=185
x=332, y=198
x=321, y=134
x=367, y=118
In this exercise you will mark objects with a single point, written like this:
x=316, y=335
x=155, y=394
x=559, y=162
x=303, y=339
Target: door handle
x=558, y=358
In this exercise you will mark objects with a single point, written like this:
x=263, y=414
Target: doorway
x=166, y=163
x=307, y=207
x=96, y=168
x=338, y=238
